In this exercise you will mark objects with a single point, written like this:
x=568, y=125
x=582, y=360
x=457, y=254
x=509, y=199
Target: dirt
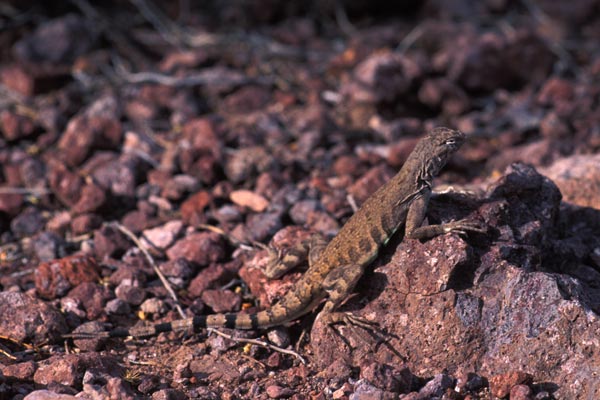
x=206, y=129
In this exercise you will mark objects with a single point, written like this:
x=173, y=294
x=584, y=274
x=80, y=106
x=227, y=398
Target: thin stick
x=22, y=190
x=232, y=240
x=343, y=21
x=410, y=38
x=352, y=201
x=259, y=343
x=159, y=21
x=7, y=354
x=207, y=77
x=150, y=260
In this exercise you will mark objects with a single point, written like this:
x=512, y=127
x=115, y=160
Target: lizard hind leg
x=339, y=285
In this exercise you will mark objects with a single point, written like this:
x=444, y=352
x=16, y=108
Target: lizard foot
x=463, y=226
x=349, y=319
x=354, y=322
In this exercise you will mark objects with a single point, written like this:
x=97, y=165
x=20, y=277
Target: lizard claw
x=349, y=319
x=464, y=226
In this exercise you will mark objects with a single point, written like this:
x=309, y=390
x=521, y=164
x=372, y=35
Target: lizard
x=335, y=267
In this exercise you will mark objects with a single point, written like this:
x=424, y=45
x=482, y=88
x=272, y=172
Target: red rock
x=370, y=182
x=346, y=165
x=109, y=241
x=443, y=94
x=58, y=40
x=261, y=226
x=169, y=394
x=388, y=378
x=209, y=277
x=47, y=395
x=11, y=204
x=491, y=60
x=383, y=76
x=140, y=110
x=153, y=306
x=83, y=133
x=69, y=369
x=92, y=296
x=119, y=388
x=131, y=274
x=162, y=237
x=300, y=211
x=85, y=223
x=15, y=77
x=247, y=198
x=554, y=127
x=119, y=175
x=201, y=248
x=192, y=209
x=54, y=279
x=19, y=371
x=176, y=187
x=92, y=344
x=247, y=99
x=14, y=126
x=578, y=178
x=268, y=183
x=26, y=319
x=158, y=177
x=278, y=392
x=203, y=138
x=501, y=385
x=117, y=306
x=436, y=387
x=91, y=199
x=27, y=223
x=274, y=360
x=134, y=295
x=554, y=91
x=136, y=221
x=205, y=169
x=320, y=221
x=399, y=151
x=521, y=392
x=34, y=78
x=247, y=161
x=222, y=300
x=65, y=184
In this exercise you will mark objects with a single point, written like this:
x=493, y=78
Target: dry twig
x=258, y=342
x=150, y=260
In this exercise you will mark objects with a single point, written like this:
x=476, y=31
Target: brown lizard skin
x=331, y=277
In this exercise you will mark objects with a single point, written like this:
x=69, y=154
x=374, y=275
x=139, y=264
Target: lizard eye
x=450, y=142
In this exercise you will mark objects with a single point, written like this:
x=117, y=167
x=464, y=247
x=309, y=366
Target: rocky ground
x=268, y=120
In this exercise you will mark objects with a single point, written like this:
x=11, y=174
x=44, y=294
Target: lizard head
x=436, y=148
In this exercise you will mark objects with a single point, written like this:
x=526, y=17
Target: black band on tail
x=164, y=327
x=199, y=322
x=254, y=320
x=119, y=333
x=230, y=321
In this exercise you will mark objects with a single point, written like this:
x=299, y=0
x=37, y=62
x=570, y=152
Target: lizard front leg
x=283, y=261
x=416, y=215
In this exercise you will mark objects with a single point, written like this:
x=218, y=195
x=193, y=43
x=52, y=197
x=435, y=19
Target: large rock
x=488, y=304
x=29, y=320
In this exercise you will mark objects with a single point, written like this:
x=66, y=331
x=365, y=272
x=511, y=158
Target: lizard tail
x=260, y=320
